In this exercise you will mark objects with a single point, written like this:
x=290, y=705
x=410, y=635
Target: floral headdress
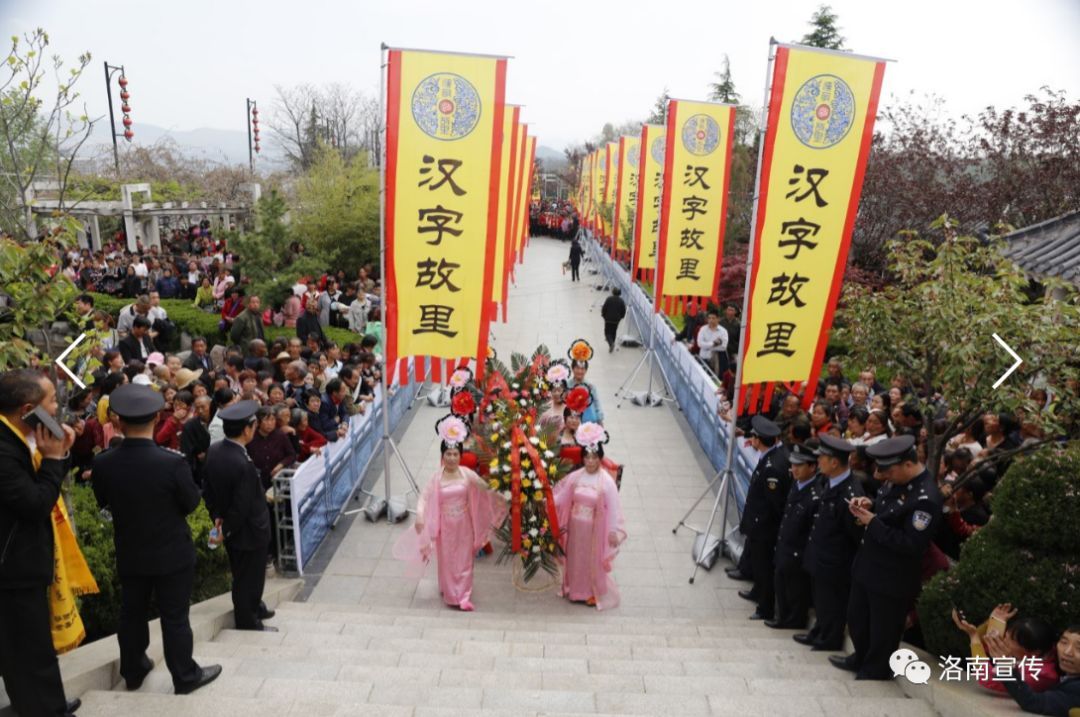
x=580, y=353
x=461, y=378
x=590, y=436
x=578, y=399
x=452, y=431
x=558, y=374
x=462, y=404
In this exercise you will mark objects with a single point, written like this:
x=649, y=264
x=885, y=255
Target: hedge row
x=196, y=322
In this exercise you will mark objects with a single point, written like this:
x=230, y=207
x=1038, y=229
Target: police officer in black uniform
x=830, y=550
x=792, y=580
x=765, y=499
x=149, y=491
x=237, y=501
x=886, y=575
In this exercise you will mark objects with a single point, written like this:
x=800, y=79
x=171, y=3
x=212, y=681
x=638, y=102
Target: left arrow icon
x=69, y=372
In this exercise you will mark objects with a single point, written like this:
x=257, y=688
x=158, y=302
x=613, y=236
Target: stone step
x=282, y=696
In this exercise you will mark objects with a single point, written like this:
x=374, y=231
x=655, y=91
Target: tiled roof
x=1050, y=248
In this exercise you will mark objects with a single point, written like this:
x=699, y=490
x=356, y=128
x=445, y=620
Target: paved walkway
x=664, y=474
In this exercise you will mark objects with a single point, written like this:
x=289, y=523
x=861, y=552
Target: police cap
x=135, y=403
x=892, y=451
x=239, y=412
x=802, y=454
x=834, y=447
x=763, y=427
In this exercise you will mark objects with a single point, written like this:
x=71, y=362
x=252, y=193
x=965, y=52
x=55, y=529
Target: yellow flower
x=494, y=437
x=494, y=483
x=545, y=524
x=527, y=542
x=551, y=547
x=525, y=482
x=543, y=446
x=523, y=498
x=538, y=495
x=526, y=464
x=494, y=463
x=528, y=420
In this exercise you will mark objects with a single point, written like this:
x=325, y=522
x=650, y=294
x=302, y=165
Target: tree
x=40, y=141
x=932, y=323
x=723, y=90
x=337, y=115
x=337, y=211
x=266, y=257
x=659, y=111
x=824, y=32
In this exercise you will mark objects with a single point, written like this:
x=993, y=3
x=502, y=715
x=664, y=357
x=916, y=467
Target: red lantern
x=128, y=134
x=256, y=147
x=127, y=121
x=125, y=95
x=255, y=113
x=255, y=123
x=123, y=81
x=125, y=108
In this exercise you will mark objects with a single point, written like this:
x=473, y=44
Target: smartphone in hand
x=40, y=417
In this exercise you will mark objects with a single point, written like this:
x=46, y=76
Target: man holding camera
x=33, y=462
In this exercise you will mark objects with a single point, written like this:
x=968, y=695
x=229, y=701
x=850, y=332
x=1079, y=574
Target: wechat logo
x=906, y=663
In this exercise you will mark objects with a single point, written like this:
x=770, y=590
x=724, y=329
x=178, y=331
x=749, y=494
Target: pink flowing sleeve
x=487, y=508
x=563, y=492
x=611, y=522
x=415, y=547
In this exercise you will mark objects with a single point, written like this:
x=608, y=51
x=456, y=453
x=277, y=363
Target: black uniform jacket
x=150, y=492
x=891, y=554
x=766, y=496
x=835, y=537
x=235, y=494
x=796, y=523
x=26, y=502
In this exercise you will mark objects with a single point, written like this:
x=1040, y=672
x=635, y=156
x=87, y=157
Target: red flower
x=578, y=399
x=463, y=404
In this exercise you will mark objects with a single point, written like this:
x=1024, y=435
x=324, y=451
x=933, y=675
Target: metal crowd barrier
x=310, y=497
x=693, y=383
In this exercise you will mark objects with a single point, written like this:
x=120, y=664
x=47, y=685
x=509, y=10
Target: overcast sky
x=577, y=63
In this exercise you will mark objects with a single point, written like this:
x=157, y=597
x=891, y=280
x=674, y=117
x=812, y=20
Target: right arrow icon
x=1011, y=353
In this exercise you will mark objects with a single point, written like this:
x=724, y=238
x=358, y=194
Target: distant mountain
x=224, y=146
x=552, y=159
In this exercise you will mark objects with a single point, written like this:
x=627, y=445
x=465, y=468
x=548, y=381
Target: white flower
x=506, y=468
x=536, y=392
x=523, y=402
x=515, y=386
x=534, y=440
x=506, y=493
x=532, y=474
x=536, y=548
x=532, y=519
x=548, y=454
x=534, y=532
x=506, y=444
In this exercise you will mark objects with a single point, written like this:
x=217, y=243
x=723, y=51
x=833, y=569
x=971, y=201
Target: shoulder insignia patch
x=920, y=520
x=772, y=483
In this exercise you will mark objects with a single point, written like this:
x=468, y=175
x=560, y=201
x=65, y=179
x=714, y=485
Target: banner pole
x=729, y=462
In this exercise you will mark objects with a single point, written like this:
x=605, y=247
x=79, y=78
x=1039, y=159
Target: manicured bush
x=1027, y=555
x=101, y=612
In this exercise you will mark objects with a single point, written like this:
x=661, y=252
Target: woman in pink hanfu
x=591, y=518
x=454, y=518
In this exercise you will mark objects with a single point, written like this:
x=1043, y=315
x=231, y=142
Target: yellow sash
x=71, y=574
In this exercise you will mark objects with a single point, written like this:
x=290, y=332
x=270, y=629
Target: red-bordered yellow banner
x=444, y=126
x=821, y=121
x=611, y=180
x=650, y=190
x=526, y=176
x=694, y=206
x=521, y=148
x=626, y=193
x=500, y=273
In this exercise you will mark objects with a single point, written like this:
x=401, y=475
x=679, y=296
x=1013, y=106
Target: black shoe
x=736, y=574
x=136, y=682
x=804, y=638
x=73, y=706
x=758, y=616
x=265, y=613
x=610, y=348
x=748, y=595
x=268, y=628
x=206, y=675
x=843, y=662
x=821, y=647
x=781, y=625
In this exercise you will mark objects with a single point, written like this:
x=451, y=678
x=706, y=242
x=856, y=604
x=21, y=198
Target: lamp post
x=253, y=132
x=127, y=134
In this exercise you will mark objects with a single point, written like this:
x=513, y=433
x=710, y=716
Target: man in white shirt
x=712, y=340
x=141, y=269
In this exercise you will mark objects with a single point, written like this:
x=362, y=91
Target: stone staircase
x=383, y=660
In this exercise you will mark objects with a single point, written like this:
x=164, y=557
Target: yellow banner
x=650, y=189
x=526, y=174
x=601, y=182
x=506, y=188
x=627, y=191
x=611, y=180
x=821, y=120
x=694, y=208
x=521, y=149
x=444, y=133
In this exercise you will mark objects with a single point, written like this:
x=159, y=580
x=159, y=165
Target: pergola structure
x=142, y=222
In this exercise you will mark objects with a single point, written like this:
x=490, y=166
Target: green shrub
x=101, y=612
x=1026, y=555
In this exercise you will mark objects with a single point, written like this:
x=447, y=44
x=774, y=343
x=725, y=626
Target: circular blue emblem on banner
x=701, y=135
x=823, y=111
x=446, y=106
x=658, y=149
x=632, y=156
